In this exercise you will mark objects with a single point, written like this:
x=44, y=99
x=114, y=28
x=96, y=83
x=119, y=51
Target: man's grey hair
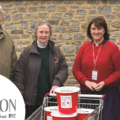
x=42, y=22
x=1, y=11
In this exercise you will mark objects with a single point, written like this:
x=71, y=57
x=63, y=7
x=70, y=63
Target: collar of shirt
x=41, y=45
x=103, y=42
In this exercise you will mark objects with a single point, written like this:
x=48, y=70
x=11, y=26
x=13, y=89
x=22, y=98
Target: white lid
x=61, y=115
x=51, y=109
x=67, y=89
x=84, y=111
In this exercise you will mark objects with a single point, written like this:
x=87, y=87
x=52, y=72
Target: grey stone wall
x=69, y=20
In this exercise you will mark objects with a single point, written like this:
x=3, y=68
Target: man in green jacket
x=8, y=56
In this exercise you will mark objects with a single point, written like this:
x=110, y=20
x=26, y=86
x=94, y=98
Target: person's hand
x=52, y=89
x=100, y=86
x=91, y=85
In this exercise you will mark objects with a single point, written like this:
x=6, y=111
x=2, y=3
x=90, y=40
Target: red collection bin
x=83, y=113
x=56, y=115
x=67, y=98
x=48, y=111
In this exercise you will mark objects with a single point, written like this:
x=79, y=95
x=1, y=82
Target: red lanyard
x=95, y=60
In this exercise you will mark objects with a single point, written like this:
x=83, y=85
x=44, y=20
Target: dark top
x=43, y=85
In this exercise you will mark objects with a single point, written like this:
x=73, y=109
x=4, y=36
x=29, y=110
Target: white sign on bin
x=49, y=118
x=66, y=101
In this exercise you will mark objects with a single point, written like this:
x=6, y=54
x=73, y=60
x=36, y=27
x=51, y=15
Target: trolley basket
x=84, y=101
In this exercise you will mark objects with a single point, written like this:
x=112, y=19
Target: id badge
x=94, y=74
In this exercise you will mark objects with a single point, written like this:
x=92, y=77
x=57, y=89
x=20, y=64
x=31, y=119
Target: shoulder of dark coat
x=26, y=51
x=57, y=48
x=31, y=48
x=52, y=46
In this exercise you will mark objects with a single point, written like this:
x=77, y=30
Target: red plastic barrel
x=83, y=113
x=67, y=98
x=56, y=115
x=48, y=111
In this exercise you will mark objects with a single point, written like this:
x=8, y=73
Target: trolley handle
x=52, y=94
x=92, y=96
x=103, y=96
x=82, y=95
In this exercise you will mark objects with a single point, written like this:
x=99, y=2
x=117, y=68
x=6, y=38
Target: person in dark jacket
x=40, y=69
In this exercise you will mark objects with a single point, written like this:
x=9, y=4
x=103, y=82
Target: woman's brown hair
x=98, y=22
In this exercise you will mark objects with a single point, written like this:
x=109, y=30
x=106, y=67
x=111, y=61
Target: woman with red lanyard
x=97, y=68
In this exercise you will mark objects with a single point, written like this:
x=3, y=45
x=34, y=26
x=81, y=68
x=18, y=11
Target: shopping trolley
x=84, y=101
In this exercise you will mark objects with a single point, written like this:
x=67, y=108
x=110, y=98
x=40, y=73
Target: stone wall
x=69, y=20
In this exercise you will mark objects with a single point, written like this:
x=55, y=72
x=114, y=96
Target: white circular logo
x=12, y=106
